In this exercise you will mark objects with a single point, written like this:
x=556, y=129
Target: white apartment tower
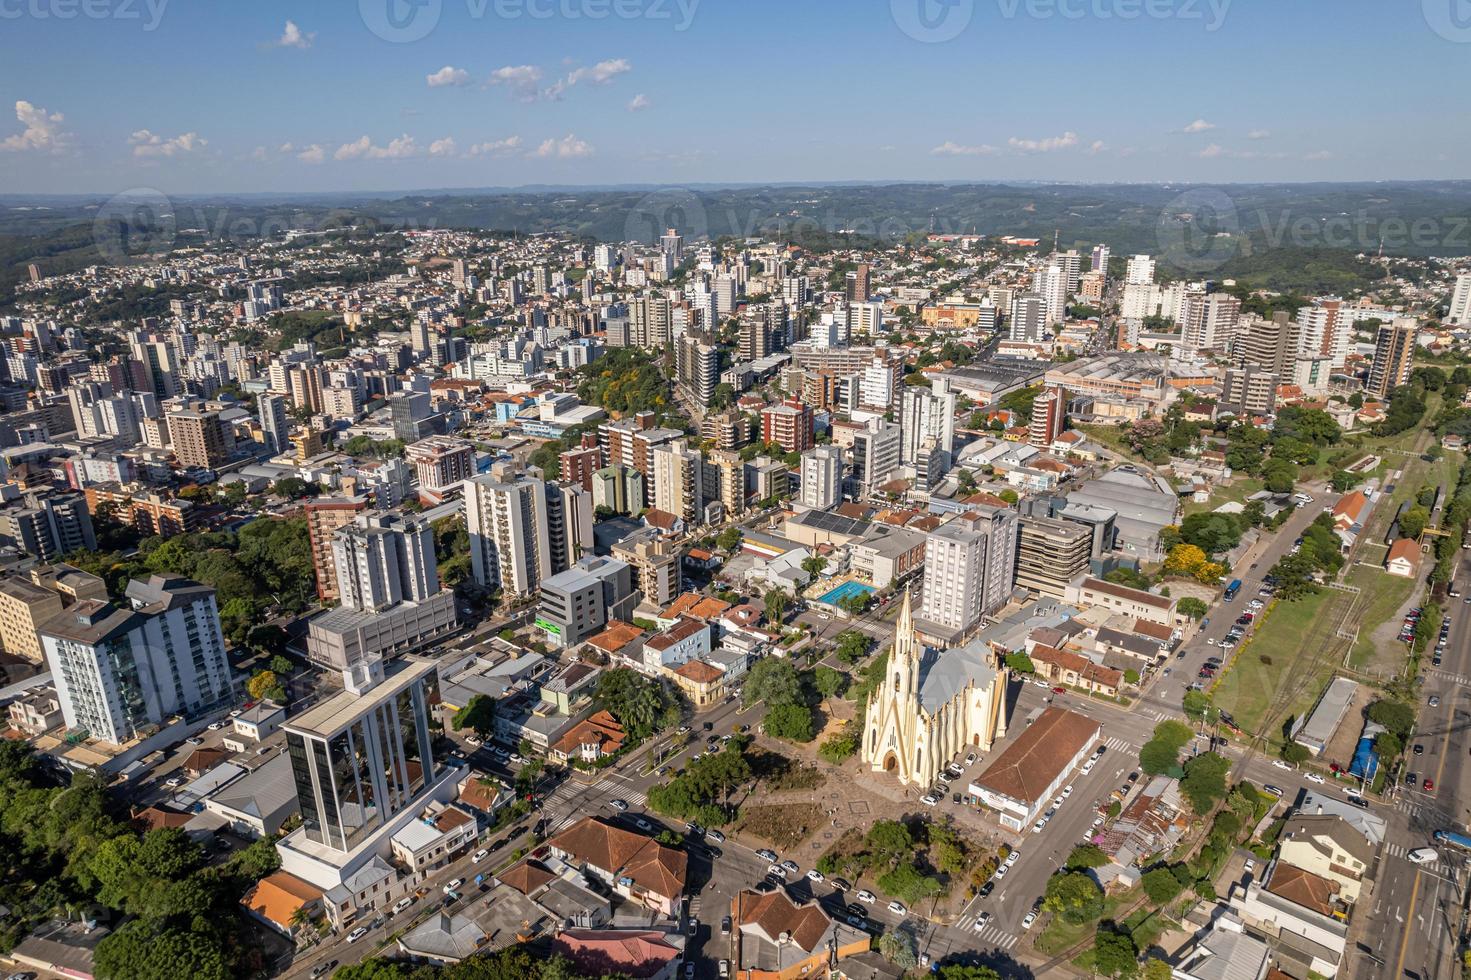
x=1461, y=301
x=822, y=477
x=970, y=563
x=927, y=414
x=506, y=515
x=383, y=560
x=1140, y=271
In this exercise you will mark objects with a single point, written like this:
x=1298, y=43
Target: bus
x=1232, y=589
x=1451, y=837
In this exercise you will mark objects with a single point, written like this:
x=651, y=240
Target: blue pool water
x=844, y=591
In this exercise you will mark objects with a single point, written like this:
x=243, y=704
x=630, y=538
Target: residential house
x=636, y=867
x=283, y=902
x=640, y=954
x=1404, y=558
x=1076, y=670
x=442, y=831
x=778, y=939
x=590, y=739
x=1329, y=847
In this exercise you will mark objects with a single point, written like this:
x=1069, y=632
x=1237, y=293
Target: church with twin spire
x=932, y=706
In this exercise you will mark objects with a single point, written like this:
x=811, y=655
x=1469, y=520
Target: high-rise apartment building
x=506, y=516
x=441, y=463
x=697, y=366
x=1208, y=321
x=679, y=481
x=822, y=477
x=324, y=515
x=1394, y=351
x=1028, y=322
x=1140, y=271
x=1324, y=331
x=650, y=320
x=789, y=425
x=969, y=567
x=927, y=418
x=273, y=422
x=876, y=455
x=856, y=284
x=1101, y=254
x=199, y=438
x=121, y=671
x=383, y=560
x=1460, y=311
x=1049, y=417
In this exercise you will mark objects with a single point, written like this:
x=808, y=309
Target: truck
x=1453, y=838
x=1232, y=590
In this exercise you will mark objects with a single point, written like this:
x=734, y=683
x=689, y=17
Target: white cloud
x=448, y=76
x=294, y=37
x=40, y=131
x=1319, y=155
x=520, y=79
x=311, y=154
x=1063, y=142
x=442, y=148
x=496, y=148
x=1211, y=152
x=601, y=73
x=1199, y=126
x=950, y=148
x=1096, y=147
x=638, y=103
x=1259, y=134
x=149, y=144
x=566, y=148
x=286, y=148
x=363, y=149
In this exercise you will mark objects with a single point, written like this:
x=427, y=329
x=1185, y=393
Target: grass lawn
x=1112, y=437
x=1247, y=689
x=1383, y=595
x=784, y=824
x=1060, y=935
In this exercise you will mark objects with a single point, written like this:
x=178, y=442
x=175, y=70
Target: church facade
x=932, y=706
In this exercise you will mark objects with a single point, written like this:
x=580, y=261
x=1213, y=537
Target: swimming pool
x=845, y=590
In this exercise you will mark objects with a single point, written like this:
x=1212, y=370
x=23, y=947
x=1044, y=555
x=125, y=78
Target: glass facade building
x=360, y=759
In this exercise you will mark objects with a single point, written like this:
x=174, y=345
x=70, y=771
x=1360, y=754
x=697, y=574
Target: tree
x=1160, y=885
x=1295, y=752
x=1192, y=607
x=729, y=539
x=777, y=602
x=1114, y=953
x=852, y=646
x=1388, y=745
x=1204, y=783
x=1183, y=559
x=282, y=666
x=841, y=747
x=263, y=684
x=1086, y=856
x=1075, y=896
x=890, y=839
x=774, y=681
x=790, y=721
x=898, y=947
x=828, y=682
x=145, y=949
x=1412, y=522
x=1161, y=754
x=1396, y=716
x=478, y=713
x=639, y=703
x=813, y=566
x=957, y=971
x=1198, y=708
x=1157, y=970
x=1018, y=661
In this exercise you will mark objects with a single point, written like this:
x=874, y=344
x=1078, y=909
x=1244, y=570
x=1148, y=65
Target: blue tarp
x=1366, y=760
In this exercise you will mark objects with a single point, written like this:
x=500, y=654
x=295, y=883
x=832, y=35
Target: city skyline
x=385, y=95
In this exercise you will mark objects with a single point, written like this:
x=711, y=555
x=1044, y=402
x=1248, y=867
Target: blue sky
x=256, y=95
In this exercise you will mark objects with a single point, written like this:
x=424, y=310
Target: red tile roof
x=652, y=866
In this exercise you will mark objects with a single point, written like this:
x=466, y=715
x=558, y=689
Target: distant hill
x=1195, y=229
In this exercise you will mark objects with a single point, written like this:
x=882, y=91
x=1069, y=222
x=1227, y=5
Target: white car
x=1012, y=857
x=981, y=920
x=479, y=856
x=790, y=866
x=867, y=897
x=1098, y=821
x=215, y=726
x=815, y=875
x=1313, y=777
x=898, y=909
x=777, y=870
x=402, y=904
x=1424, y=855
x=357, y=934
x=1001, y=871
x=174, y=782
x=1031, y=917
x=1210, y=641
x=929, y=799
x=453, y=885
x=1037, y=827
x=619, y=805
x=1279, y=764
x=1066, y=791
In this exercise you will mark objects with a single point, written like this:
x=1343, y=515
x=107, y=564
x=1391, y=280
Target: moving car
x=453, y=885
x=1424, y=855
x=619, y=805
x=981, y=920
x=1274, y=790
x=357, y=934
x=479, y=856
x=1313, y=777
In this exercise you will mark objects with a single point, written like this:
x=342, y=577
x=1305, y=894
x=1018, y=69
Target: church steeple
x=904, y=660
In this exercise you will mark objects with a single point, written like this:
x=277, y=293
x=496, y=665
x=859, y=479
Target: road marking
x=1404, y=946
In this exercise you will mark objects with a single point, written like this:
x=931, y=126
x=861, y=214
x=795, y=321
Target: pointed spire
x=904, y=627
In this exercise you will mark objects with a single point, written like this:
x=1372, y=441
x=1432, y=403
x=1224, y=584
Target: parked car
x=479, y=856
x=898, y=909
x=1028, y=920
x=619, y=805
x=357, y=934
x=866, y=896
x=766, y=855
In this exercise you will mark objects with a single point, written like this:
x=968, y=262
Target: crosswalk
x=1459, y=679
x=589, y=797
x=1117, y=744
x=1409, y=807
x=992, y=937
x=1399, y=851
